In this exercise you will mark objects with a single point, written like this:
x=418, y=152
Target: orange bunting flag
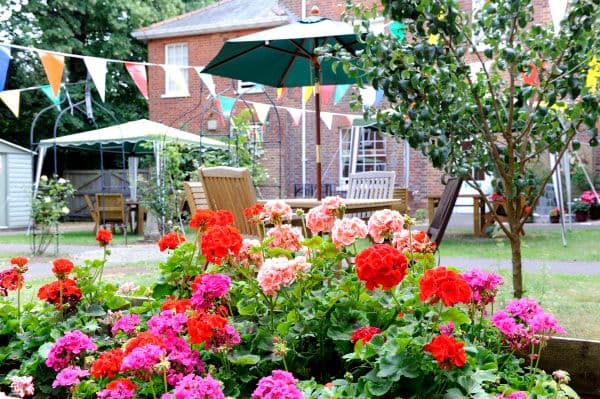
x=280, y=92
x=138, y=74
x=532, y=79
x=54, y=65
x=12, y=99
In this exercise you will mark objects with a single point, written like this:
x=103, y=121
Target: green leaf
x=244, y=359
x=455, y=315
x=44, y=350
x=161, y=291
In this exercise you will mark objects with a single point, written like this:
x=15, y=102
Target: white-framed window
x=176, y=79
x=249, y=87
x=361, y=149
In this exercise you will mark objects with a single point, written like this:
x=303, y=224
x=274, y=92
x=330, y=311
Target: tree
x=94, y=28
x=528, y=98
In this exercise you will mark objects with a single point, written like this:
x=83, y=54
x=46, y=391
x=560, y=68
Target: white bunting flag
x=368, y=95
x=296, y=115
x=327, y=118
x=208, y=81
x=175, y=73
x=12, y=99
x=558, y=8
x=97, y=69
x=262, y=111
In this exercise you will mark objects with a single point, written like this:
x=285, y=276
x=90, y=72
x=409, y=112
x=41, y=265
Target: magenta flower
x=279, y=385
x=225, y=338
x=195, y=387
x=483, y=285
x=69, y=376
x=447, y=329
x=68, y=346
x=143, y=358
x=209, y=287
x=514, y=395
x=127, y=324
x=167, y=323
x=182, y=358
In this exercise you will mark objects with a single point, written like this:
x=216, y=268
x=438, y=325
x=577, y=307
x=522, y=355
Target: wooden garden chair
x=443, y=212
x=111, y=210
x=370, y=185
x=231, y=189
x=93, y=211
x=195, y=195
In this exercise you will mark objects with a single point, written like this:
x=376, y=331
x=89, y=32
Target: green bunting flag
x=47, y=90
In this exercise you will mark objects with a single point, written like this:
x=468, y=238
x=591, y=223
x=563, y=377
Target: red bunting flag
x=138, y=74
x=326, y=93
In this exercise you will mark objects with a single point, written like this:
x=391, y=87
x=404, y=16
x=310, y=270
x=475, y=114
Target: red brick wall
x=282, y=140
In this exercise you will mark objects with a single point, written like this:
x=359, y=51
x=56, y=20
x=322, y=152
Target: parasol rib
x=236, y=56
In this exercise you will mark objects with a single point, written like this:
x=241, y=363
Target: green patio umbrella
x=285, y=57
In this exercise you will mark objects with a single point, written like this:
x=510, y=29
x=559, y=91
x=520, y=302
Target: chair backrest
x=91, y=208
x=195, y=195
x=231, y=189
x=437, y=226
x=111, y=207
x=371, y=185
x=401, y=193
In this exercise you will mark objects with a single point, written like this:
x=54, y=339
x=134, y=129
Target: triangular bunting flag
x=97, y=69
x=558, y=9
x=327, y=118
x=368, y=95
x=306, y=93
x=591, y=80
x=397, y=30
x=262, y=111
x=175, y=73
x=326, y=93
x=12, y=99
x=351, y=118
x=47, y=90
x=208, y=81
x=296, y=115
x=227, y=104
x=532, y=79
x=138, y=74
x=280, y=92
x=340, y=90
x=378, y=97
x=4, y=62
x=54, y=65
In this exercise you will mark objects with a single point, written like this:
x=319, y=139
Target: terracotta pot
x=581, y=216
x=595, y=212
x=555, y=219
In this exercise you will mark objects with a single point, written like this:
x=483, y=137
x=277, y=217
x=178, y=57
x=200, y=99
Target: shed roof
x=223, y=16
x=13, y=147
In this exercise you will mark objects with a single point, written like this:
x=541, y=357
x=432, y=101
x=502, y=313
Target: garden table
x=478, y=210
x=352, y=205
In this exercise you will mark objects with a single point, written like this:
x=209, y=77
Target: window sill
x=175, y=95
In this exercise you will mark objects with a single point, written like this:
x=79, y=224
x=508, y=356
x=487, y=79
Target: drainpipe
x=303, y=14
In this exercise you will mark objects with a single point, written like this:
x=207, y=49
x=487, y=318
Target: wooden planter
x=580, y=357
x=555, y=219
x=581, y=216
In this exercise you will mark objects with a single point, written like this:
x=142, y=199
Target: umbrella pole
x=318, y=128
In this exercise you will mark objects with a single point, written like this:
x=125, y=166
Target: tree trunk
x=517, y=275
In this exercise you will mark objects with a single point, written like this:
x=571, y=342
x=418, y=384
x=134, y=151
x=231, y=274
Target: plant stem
x=102, y=266
x=165, y=381
x=19, y=308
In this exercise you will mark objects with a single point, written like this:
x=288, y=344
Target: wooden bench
x=195, y=196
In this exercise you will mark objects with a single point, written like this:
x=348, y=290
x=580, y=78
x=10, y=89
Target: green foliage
x=578, y=178
x=580, y=206
x=421, y=214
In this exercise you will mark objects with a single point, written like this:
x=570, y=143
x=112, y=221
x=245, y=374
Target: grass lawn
x=542, y=244
x=69, y=238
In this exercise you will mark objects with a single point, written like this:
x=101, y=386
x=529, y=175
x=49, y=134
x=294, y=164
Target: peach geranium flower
x=276, y=211
x=318, y=219
x=384, y=223
x=346, y=231
x=286, y=237
x=279, y=272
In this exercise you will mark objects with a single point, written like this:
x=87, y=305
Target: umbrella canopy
x=285, y=56
x=131, y=134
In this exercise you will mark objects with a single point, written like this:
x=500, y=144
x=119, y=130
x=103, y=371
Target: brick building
x=196, y=37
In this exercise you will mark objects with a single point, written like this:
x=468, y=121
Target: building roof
x=13, y=147
x=222, y=16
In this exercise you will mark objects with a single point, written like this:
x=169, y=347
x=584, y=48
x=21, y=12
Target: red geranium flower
x=104, y=237
x=143, y=339
x=121, y=381
x=177, y=305
x=222, y=217
x=253, y=213
x=444, y=284
x=71, y=294
x=108, y=364
x=219, y=242
x=202, y=219
x=202, y=326
x=11, y=279
x=381, y=265
x=62, y=267
x=447, y=351
x=364, y=334
x=170, y=241
x=19, y=261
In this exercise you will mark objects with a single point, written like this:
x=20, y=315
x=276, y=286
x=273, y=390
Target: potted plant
x=590, y=198
x=554, y=215
x=581, y=210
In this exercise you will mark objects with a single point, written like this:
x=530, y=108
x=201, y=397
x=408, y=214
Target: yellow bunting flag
x=54, y=65
x=306, y=93
x=591, y=80
x=280, y=92
x=12, y=99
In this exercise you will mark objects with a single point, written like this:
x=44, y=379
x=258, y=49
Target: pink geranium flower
x=280, y=272
x=286, y=237
x=346, y=231
x=384, y=223
x=319, y=220
x=276, y=211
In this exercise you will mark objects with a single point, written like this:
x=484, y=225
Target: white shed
x=15, y=185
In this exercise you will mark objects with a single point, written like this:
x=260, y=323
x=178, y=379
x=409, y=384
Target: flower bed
x=287, y=317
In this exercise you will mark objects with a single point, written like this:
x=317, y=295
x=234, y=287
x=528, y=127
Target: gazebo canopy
x=131, y=134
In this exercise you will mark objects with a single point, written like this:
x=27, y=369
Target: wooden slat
x=438, y=225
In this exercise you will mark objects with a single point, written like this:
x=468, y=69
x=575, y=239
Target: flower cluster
x=346, y=231
x=104, y=237
x=414, y=241
x=170, y=241
x=10, y=280
x=286, y=237
x=280, y=272
x=589, y=197
x=381, y=265
x=254, y=213
x=20, y=264
x=127, y=323
x=108, y=364
x=250, y=253
x=523, y=322
x=220, y=241
x=364, y=334
x=483, y=285
x=445, y=285
x=62, y=268
x=212, y=330
x=280, y=384
x=276, y=212
x=206, y=288
x=51, y=293
x=384, y=224
x=447, y=351
x=22, y=386
x=67, y=348
x=195, y=387
x=121, y=388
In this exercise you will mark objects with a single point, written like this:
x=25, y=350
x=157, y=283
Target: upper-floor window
x=176, y=79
